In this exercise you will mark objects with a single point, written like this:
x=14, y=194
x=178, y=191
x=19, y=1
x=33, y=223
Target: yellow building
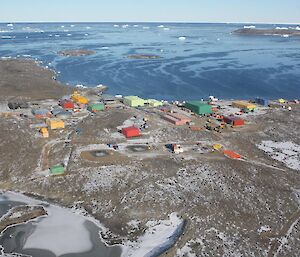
x=154, y=103
x=281, y=100
x=79, y=99
x=44, y=132
x=55, y=124
x=134, y=101
x=244, y=105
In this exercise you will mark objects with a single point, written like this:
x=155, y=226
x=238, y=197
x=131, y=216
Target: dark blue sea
x=198, y=60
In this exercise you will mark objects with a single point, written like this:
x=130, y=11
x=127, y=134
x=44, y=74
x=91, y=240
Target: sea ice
x=282, y=28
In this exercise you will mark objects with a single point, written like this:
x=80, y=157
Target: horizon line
x=163, y=22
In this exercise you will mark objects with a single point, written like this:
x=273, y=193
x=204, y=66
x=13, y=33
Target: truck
x=175, y=148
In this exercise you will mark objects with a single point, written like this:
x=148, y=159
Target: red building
x=131, y=132
x=177, y=119
x=67, y=104
x=234, y=121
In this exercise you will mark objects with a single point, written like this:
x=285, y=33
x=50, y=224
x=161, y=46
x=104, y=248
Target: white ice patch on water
x=285, y=152
x=61, y=232
x=158, y=233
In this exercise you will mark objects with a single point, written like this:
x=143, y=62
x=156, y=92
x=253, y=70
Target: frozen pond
x=62, y=233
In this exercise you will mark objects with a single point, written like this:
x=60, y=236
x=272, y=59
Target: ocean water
x=210, y=61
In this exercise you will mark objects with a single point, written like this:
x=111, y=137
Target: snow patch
x=285, y=152
x=156, y=236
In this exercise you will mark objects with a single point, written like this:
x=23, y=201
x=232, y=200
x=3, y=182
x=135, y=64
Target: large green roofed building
x=134, y=101
x=199, y=107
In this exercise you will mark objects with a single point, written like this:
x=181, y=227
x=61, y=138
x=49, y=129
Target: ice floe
x=281, y=28
x=7, y=37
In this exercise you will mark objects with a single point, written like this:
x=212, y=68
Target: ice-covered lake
x=68, y=233
x=62, y=233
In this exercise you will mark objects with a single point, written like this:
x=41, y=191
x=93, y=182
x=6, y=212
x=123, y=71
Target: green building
x=134, y=101
x=96, y=107
x=154, y=103
x=57, y=170
x=199, y=107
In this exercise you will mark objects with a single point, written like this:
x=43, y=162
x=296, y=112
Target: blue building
x=262, y=101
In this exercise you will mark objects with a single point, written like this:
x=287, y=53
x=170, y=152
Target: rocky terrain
x=267, y=32
x=76, y=52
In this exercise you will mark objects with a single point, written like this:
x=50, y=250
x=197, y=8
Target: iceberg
x=7, y=37
x=182, y=38
x=282, y=28
x=249, y=27
x=161, y=26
